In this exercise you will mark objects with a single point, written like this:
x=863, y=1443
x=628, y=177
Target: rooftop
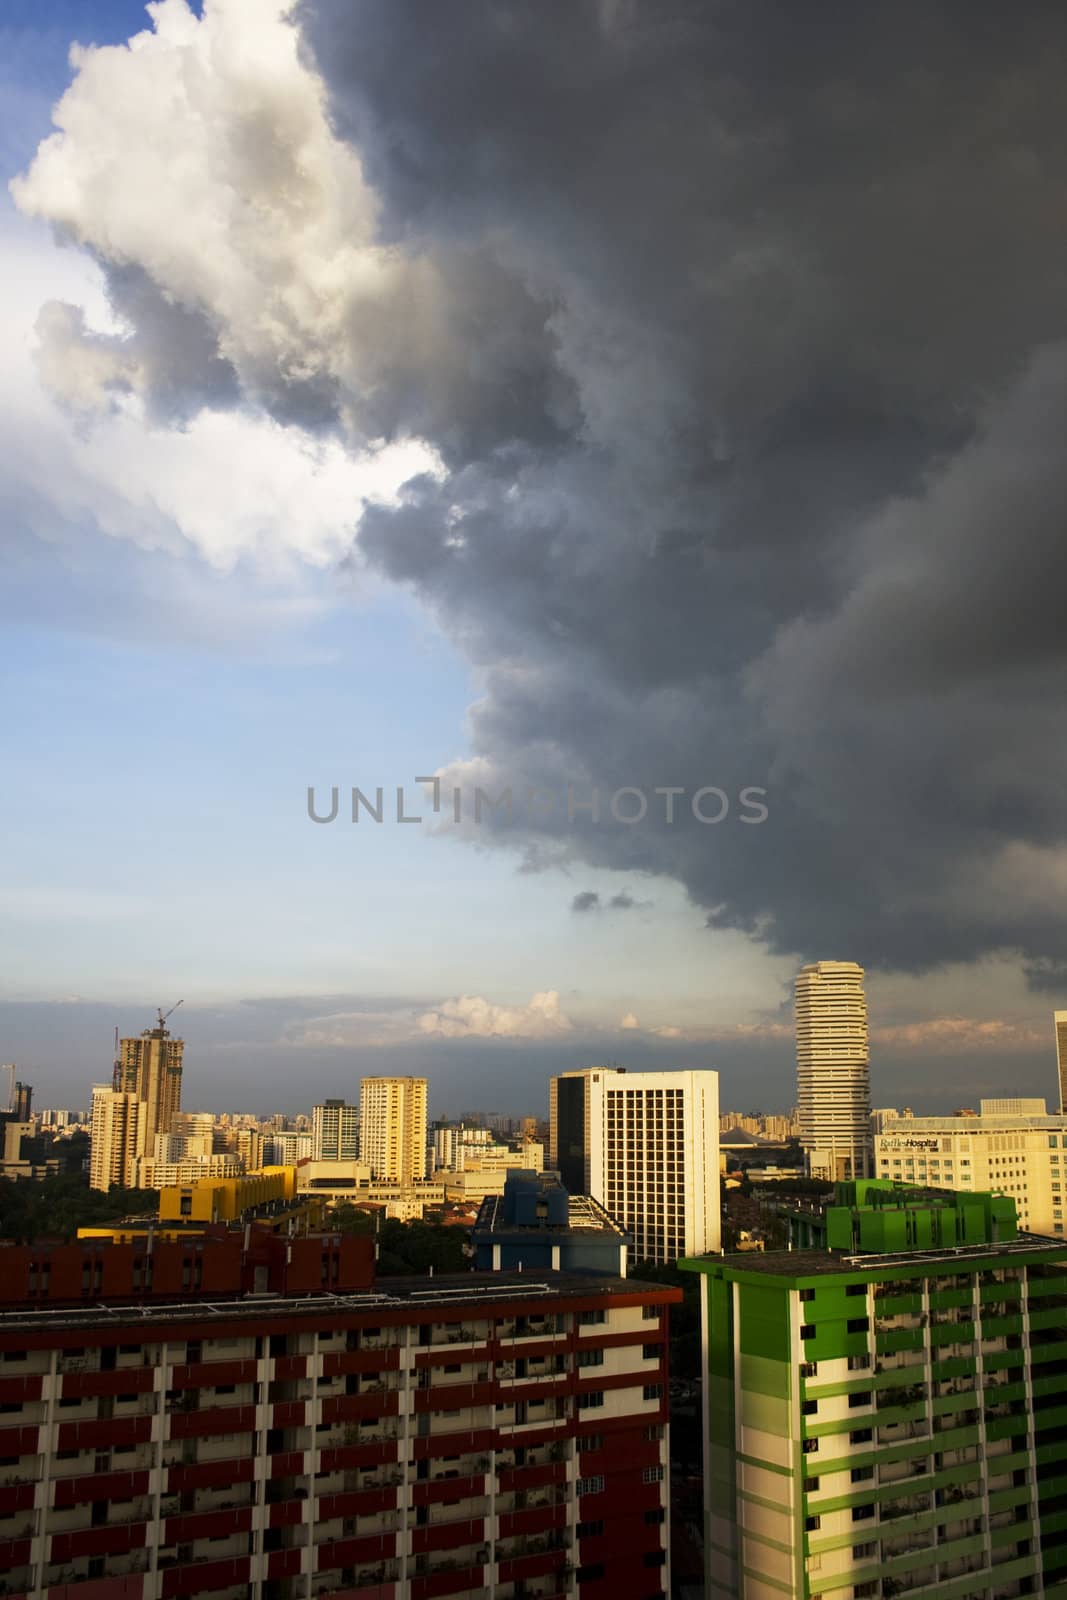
x=536, y=1203
x=836, y=1263
x=439, y=1294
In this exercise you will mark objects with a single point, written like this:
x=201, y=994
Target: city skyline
x=191, y=527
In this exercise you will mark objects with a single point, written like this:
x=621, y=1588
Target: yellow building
x=226, y=1199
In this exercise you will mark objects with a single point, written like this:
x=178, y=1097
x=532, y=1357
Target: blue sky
x=185, y=648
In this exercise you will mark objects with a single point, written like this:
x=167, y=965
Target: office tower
x=335, y=1131
x=22, y=1102
x=472, y=1436
x=1060, y=1018
x=113, y=1136
x=151, y=1068
x=392, y=1127
x=1011, y=1146
x=886, y=1416
x=650, y=1153
x=570, y=1118
x=833, y=1076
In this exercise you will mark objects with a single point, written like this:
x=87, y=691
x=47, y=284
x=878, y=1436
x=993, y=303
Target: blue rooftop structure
x=537, y=1226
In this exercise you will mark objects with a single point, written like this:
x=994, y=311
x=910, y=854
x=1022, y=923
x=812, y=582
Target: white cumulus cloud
x=472, y=1017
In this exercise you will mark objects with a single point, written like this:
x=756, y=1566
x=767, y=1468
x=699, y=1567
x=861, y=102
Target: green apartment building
x=885, y=1407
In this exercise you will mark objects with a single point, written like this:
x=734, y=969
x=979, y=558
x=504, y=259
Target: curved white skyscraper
x=833, y=1070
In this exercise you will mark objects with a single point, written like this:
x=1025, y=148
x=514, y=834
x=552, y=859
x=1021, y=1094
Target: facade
x=335, y=1132
x=1019, y=1154
x=833, y=1070
x=150, y=1067
x=1060, y=1021
x=888, y=1418
x=467, y=1437
x=571, y=1112
x=651, y=1153
x=284, y=1148
x=392, y=1117
x=113, y=1136
x=536, y=1226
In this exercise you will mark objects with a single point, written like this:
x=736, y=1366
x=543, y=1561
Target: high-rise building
x=571, y=1113
x=252, y=1416
x=833, y=1070
x=335, y=1131
x=650, y=1153
x=884, y=1414
x=113, y=1136
x=150, y=1067
x=392, y=1127
x=1060, y=1018
x=1018, y=1152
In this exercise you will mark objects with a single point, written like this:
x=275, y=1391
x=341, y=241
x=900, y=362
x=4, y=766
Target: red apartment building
x=249, y=1416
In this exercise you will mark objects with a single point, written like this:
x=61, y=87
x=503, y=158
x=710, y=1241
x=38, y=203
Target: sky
x=665, y=406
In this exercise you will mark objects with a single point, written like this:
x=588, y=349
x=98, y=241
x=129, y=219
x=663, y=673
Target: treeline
x=56, y=1207
x=407, y=1249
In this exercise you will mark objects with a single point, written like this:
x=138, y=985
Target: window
x=589, y=1530
x=655, y=1517
x=809, y=1407
x=653, y=1391
x=864, y=1552
x=594, y=1485
x=806, y=1294
x=590, y=1441
x=858, y=1363
x=858, y=1324
x=859, y=1474
x=810, y=1446
x=810, y=1485
x=808, y=1369
x=862, y=1397
x=655, y=1558
x=856, y=1288
x=651, y=1352
x=862, y=1513
x=651, y=1474
x=590, y=1358
x=591, y=1319
x=811, y=1523
x=589, y=1402
x=654, y=1433
x=860, y=1436
x=807, y=1330
x=588, y=1574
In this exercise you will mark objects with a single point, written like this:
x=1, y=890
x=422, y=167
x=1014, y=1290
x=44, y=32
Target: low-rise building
x=536, y=1226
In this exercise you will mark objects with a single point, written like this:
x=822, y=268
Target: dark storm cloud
x=741, y=332
x=807, y=269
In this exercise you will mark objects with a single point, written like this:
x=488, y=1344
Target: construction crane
x=163, y=1015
